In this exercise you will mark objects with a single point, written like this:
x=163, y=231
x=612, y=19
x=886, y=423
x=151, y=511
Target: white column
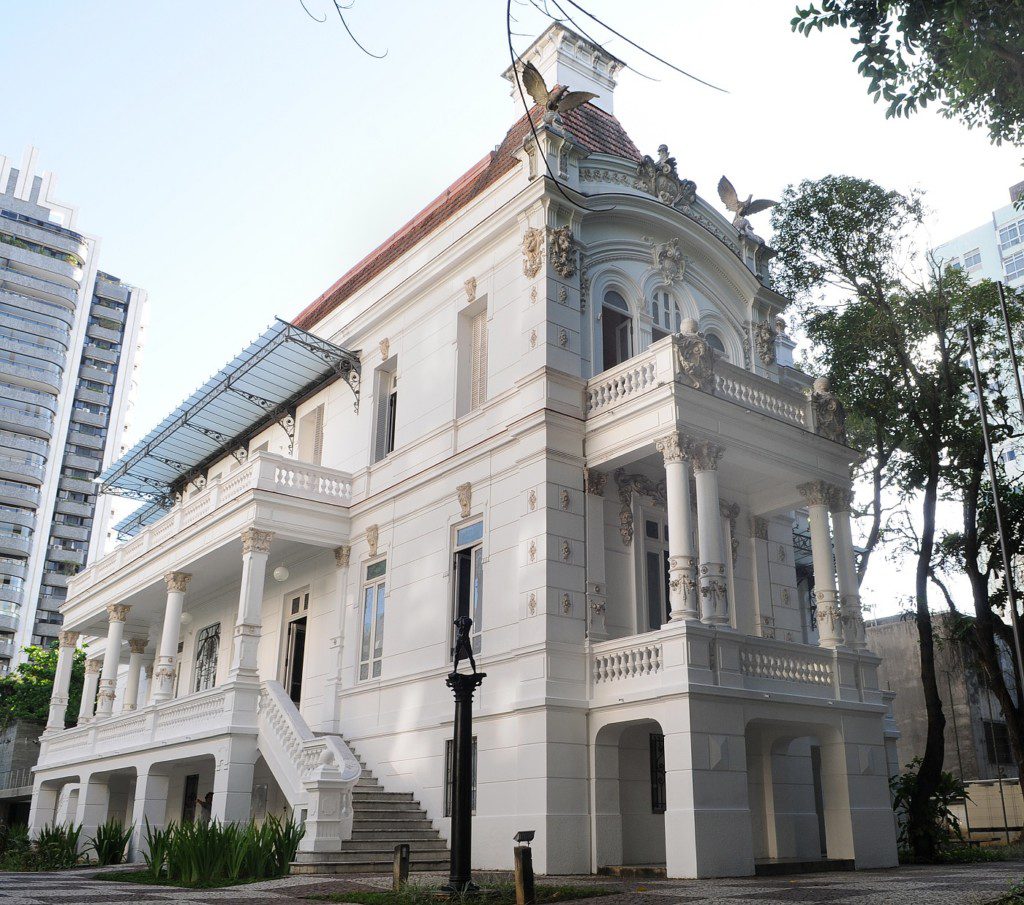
x=92, y=678
x=332, y=689
x=116, y=615
x=594, y=483
x=167, y=654
x=255, y=550
x=62, y=680
x=150, y=804
x=830, y=622
x=846, y=571
x=681, y=563
x=137, y=647
x=714, y=598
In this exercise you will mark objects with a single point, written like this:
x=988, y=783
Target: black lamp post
x=463, y=685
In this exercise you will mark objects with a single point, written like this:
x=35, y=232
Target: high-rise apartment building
x=994, y=250
x=69, y=342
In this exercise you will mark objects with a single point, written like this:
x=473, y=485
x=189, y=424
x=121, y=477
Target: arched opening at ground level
x=629, y=795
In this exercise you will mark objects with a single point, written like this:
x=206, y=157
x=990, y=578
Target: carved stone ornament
x=731, y=512
x=465, y=492
x=563, y=294
x=385, y=349
x=372, y=537
x=256, y=541
x=470, y=287
x=595, y=481
x=137, y=645
x=177, y=581
x=118, y=612
x=533, y=339
x=705, y=455
x=817, y=493
x=533, y=551
x=563, y=251
x=566, y=551
x=563, y=500
x=695, y=359
x=533, y=604
x=533, y=295
x=533, y=251
x=531, y=500
x=563, y=338
x=764, y=342
x=759, y=528
x=566, y=604
x=672, y=447
x=626, y=525
x=661, y=179
x=829, y=414
x=668, y=258
x=93, y=666
x=342, y=556
x=629, y=484
x=68, y=638
x=841, y=500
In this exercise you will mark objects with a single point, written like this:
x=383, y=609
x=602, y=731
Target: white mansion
x=564, y=412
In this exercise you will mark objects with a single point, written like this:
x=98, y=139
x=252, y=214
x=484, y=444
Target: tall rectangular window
x=471, y=358
x=468, y=568
x=659, y=800
x=449, y=776
x=387, y=410
x=371, y=647
x=207, y=648
x=311, y=436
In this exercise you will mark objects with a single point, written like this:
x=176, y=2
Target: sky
x=237, y=157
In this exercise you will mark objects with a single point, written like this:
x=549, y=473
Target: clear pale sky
x=236, y=157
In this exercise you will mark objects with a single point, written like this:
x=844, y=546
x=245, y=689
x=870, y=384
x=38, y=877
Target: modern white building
x=993, y=251
x=559, y=409
x=69, y=343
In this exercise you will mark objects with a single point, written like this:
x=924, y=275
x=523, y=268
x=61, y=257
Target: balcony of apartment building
x=39, y=261
x=104, y=330
x=18, y=326
x=31, y=372
x=216, y=546
x=37, y=293
x=108, y=288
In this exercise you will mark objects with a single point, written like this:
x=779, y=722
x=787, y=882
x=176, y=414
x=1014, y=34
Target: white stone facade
x=608, y=641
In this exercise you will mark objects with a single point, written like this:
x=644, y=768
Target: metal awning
x=259, y=386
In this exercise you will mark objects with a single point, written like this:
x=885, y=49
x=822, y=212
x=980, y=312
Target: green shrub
x=942, y=827
x=57, y=846
x=157, y=844
x=110, y=842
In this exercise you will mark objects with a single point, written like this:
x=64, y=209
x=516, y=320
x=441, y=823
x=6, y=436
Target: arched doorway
x=629, y=795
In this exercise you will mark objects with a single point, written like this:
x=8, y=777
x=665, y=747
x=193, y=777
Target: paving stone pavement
x=961, y=885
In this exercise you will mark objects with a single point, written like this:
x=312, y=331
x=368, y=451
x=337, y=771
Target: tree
x=25, y=692
x=966, y=55
x=896, y=351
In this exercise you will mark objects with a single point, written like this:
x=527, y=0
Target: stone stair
x=381, y=820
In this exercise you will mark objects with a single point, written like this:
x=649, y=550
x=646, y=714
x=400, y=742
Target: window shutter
x=318, y=435
x=381, y=427
x=478, y=377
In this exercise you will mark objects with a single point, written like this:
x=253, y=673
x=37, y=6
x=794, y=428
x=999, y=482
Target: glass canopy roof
x=260, y=385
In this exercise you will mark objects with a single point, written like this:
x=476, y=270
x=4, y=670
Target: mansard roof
x=599, y=132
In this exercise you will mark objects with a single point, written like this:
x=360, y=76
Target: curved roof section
x=599, y=132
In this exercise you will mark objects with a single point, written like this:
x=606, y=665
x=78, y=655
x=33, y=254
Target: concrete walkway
x=962, y=885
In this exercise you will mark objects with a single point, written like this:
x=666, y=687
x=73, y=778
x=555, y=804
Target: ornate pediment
x=659, y=177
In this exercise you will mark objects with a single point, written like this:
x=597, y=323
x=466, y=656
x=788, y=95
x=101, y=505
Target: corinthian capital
x=705, y=455
x=117, y=612
x=817, y=493
x=256, y=541
x=93, y=666
x=672, y=446
x=177, y=581
x=137, y=645
x=67, y=638
x=842, y=500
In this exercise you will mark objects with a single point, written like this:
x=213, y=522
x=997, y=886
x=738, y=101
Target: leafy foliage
x=56, y=848
x=110, y=842
x=213, y=854
x=943, y=825
x=965, y=55
x=25, y=691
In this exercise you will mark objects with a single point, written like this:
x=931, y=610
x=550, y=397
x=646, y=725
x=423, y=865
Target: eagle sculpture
x=742, y=209
x=561, y=100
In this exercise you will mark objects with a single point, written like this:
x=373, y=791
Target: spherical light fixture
x=186, y=618
x=281, y=573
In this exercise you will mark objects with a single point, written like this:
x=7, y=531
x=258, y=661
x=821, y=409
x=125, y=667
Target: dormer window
x=616, y=330
x=665, y=315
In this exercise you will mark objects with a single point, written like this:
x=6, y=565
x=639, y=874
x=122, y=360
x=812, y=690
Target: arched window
x=664, y=314
x=207, y=645
x=715, y=341
x=616, y=329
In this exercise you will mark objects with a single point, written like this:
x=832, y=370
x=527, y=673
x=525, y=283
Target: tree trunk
x=920, y=829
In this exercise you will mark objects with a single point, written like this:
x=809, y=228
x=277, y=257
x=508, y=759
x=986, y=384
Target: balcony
x=46, y=355
x=97, y=332
x=691, y=656
x=304, y=503
x=18, y=469
x=58, y=295
x=42, y=266
x=15, y=544
x=17, y=493
x=13, y=419
x=42, y=377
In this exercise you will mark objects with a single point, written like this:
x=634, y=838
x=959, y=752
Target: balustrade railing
x=613, y=662
x=264, y=471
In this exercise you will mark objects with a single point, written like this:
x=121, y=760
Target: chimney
x=565, y=58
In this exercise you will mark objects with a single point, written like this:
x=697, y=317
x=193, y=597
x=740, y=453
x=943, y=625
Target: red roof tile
x=597, y=131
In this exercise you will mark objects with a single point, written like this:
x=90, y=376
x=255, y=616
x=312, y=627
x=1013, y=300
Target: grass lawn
x=499, y=894
x=144, y=879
